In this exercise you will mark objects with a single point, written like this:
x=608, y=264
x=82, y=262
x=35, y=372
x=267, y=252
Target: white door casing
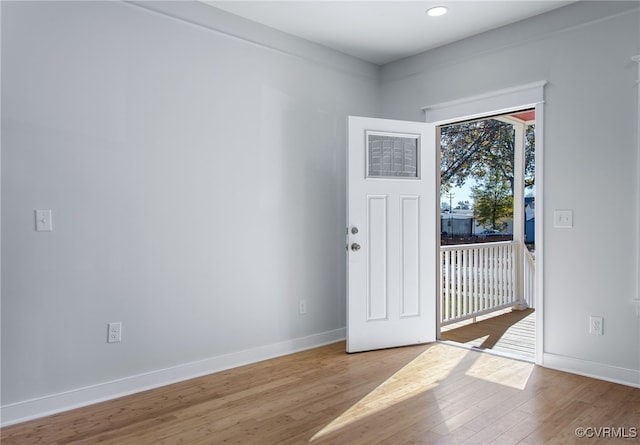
x=502, y=101
x=392, y=253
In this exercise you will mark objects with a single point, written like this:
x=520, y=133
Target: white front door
x=392, y=233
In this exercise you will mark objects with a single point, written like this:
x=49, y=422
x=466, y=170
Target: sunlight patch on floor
x=425, y=373
x=514, y=374
x=420, y=375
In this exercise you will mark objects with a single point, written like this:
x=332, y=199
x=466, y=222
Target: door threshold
x=503, y=354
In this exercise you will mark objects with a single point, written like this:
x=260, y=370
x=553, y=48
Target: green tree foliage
x=530, y=157
x=493, y=201
x=480, y=148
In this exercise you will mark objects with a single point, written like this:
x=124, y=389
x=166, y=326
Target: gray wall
x=590, y=161
x=197, y=183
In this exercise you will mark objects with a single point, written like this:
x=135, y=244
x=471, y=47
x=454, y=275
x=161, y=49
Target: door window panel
x=392, y=155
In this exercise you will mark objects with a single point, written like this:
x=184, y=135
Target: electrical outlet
x=596, y=325
x=114, y=332
x=302, y=307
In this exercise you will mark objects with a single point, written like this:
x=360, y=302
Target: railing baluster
x=458, y=280
x=485, y=278
x=461, y=272
x=514, y=252
x=474, y=253
x=510, y=270
x=509, y=280
x=495, y=268
x=442, y=285
x=496, y=260
x=505, y=275
x=474, y=272
x=447, y=295
x=514, y=262
x=483, y=287
x=494, y=278
x=454, y=290
x=452, y=269
x=487, y=275
x=479, y=291
x=502, y=252
x=465, y=283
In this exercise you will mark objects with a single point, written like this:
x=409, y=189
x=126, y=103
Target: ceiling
x=384, y=31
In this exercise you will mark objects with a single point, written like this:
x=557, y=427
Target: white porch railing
x=477, y=279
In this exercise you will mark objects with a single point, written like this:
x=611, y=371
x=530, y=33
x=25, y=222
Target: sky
x=460, y=193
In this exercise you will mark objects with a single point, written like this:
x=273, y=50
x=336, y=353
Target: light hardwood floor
x=427, y=394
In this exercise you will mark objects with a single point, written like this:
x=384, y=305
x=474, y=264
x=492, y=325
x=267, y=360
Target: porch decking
x=509, y=332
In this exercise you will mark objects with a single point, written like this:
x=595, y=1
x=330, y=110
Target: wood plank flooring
x=427, y=394
x=510, y=332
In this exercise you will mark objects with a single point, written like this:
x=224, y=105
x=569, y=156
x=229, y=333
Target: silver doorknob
x=354, y=230
x=355, y=247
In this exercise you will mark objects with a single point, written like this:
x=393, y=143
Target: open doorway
x=487, y=233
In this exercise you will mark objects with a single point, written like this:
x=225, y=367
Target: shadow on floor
x=491, y=329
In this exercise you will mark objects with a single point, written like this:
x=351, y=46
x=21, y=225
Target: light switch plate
x=43, y=221
x=563, y=219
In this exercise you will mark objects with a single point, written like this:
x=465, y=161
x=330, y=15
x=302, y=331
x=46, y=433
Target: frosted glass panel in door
x=392, y=155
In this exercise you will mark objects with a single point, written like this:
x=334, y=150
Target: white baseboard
x=43, y=406
x=615, y=374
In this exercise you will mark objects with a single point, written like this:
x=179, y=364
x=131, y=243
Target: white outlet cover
x=114, y=332
x=596, y=325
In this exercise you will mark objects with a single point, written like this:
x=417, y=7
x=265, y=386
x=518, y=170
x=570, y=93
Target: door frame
x=490, y=104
